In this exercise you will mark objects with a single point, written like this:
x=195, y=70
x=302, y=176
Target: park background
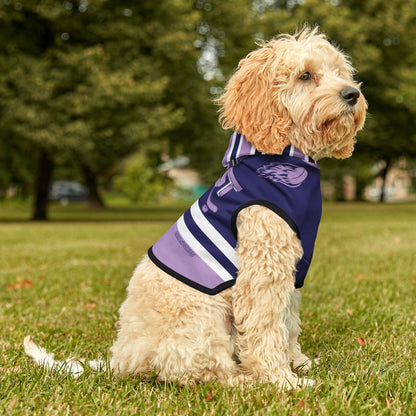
x=119, y=96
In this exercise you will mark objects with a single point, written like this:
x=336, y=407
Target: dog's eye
x=306, y=76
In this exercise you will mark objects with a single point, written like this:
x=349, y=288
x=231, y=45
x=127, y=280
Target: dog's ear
x=251, y=104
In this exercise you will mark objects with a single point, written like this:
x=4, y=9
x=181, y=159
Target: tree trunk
x=383, y=185
x=95, y=199
x=42, y=185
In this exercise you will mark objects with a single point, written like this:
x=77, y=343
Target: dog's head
x=295, y=90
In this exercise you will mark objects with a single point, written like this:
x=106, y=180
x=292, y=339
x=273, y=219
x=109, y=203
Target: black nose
x=350, y=95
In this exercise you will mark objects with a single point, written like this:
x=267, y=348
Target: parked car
x=68, y=191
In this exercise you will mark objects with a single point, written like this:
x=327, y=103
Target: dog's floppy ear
x=251, y=104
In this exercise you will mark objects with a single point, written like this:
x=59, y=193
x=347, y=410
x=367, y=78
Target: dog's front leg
x=268, y=251
x=300, y=361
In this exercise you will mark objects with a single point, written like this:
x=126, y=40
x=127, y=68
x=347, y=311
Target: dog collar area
x=239, y=148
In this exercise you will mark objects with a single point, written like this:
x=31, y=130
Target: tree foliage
x=87, y=84
x=140, y=181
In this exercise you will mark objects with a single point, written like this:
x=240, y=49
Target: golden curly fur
x=294, y=90
x=248, y=332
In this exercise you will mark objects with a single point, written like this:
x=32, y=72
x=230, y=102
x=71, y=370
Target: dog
x=217, y=297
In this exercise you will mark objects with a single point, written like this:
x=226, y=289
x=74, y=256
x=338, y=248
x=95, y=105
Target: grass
x=63, y=281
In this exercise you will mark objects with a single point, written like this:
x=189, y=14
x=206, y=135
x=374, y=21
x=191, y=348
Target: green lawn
x=62, y=282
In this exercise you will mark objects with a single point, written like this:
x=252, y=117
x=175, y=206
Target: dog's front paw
x=306, y=382
x=304, y=364
x=297, y=383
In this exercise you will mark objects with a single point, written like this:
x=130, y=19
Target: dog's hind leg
x=268, y=251
x=199, y=348
x=141, y=324
x=171, y=328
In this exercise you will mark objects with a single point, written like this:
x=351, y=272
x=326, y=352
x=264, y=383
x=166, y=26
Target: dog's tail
x=71, y=365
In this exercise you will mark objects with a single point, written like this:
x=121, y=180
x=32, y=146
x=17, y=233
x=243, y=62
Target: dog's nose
x=350, y=95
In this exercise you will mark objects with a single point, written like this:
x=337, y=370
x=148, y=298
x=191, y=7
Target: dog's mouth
x=338, y=134
x=340, y=125
x=349, y=118
x=330, y=126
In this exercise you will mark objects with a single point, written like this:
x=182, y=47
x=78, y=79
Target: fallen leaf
x=209, y=396
x=10, y=287
x=20, y=285
x=91, y=305
x=361, y=341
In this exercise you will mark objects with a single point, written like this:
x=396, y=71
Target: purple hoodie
x=199, y=249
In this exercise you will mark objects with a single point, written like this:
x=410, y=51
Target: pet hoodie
x=199, y=249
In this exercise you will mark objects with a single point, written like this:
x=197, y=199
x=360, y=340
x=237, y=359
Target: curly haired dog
x=217, y=297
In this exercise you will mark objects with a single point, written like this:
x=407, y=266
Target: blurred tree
x=83, y=82
x=140, y=181
x=224, y=34
x=89, y=83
